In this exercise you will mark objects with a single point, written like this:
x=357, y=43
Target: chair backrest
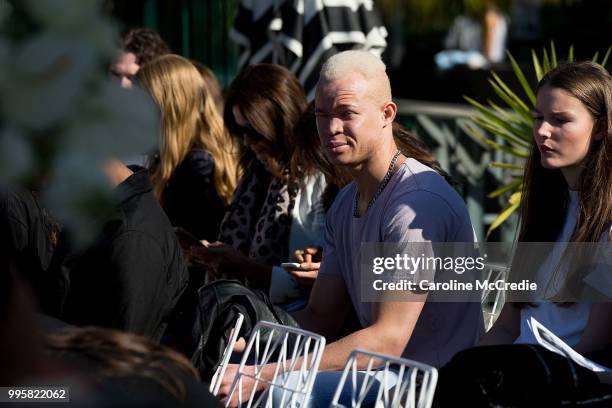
x=400, y=382
x=493, y=300
x=215, y=383
x=284, y=347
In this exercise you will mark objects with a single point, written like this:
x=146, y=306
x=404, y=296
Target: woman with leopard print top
x=277, y=207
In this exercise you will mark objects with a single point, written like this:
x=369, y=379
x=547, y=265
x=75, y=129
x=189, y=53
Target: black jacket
x=132, y=277
x=27, y=240
x=191, y=200
x=218, y=306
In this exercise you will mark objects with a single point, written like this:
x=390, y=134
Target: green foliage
x=513, y=123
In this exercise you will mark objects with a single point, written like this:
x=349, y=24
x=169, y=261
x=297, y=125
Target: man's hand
x=248, y=384
x=310, y=262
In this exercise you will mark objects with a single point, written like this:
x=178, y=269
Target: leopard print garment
x=259, y=218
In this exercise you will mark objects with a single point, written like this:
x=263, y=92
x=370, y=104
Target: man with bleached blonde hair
x=392, y=199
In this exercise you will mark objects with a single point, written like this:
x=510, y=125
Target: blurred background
x=199, y=29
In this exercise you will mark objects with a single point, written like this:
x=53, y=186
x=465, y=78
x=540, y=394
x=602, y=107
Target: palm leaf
x=478, y=135
x=545, y=61
x=514, y=122
x=521, y=77
x=536, y=65
x=492, y=122
x=605, y=59
x=519, y=108
x=508, y=187
x=570, y=54
x=513, y=204
x=553, y=55
x=501, y=132
x=508, y=91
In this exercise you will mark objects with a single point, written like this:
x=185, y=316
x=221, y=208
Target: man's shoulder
x=140, y=217
x=421, y=186
x=423, y=201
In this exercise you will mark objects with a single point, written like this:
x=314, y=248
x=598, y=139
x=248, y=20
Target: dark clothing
x=191, y=200
x=517, y=375
x=133, y=275
x=26, y=232
x=218, y=306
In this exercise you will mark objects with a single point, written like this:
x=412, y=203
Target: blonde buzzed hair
x=364, y=63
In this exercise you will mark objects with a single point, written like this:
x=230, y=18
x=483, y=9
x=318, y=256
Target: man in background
x=138, y=46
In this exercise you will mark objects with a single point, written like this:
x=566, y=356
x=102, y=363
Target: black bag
x=219, y=303
x=517, y=375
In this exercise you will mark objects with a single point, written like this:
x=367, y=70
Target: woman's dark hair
x=545, y=195
x=120, y=354
x=411, y=146
x=545, y=192
x=272, y=100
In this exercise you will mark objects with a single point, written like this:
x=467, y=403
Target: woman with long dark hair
x=567, y=197
x=566, y=203
x=277, y=206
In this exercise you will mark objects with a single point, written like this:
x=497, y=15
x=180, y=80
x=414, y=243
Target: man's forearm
x=336, y=353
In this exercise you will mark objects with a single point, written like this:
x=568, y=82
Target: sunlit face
x=250, y=137
x=125, y=68
x=349, y=119
x=562, y=129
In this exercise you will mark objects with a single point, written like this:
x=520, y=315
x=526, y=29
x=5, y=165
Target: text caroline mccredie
x=454, y=285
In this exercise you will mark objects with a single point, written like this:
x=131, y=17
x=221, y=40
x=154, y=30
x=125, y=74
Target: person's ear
x=389, y=111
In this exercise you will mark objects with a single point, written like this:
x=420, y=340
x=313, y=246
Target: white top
x=307, y=225
x=569, y=322
x=417, y=205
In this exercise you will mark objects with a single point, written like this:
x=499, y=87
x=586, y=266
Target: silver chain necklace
x=381, y=187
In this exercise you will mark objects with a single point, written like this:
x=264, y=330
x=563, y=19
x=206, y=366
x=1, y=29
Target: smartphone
x=290, y=265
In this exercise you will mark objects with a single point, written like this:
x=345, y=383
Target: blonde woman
x=194, y=175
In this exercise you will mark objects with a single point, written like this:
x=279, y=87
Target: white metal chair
x=400, y=382
x=215, y=383
x=493, y=300
x=282, y=346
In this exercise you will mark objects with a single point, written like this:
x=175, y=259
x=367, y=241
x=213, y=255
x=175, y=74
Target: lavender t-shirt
x=417, y=205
